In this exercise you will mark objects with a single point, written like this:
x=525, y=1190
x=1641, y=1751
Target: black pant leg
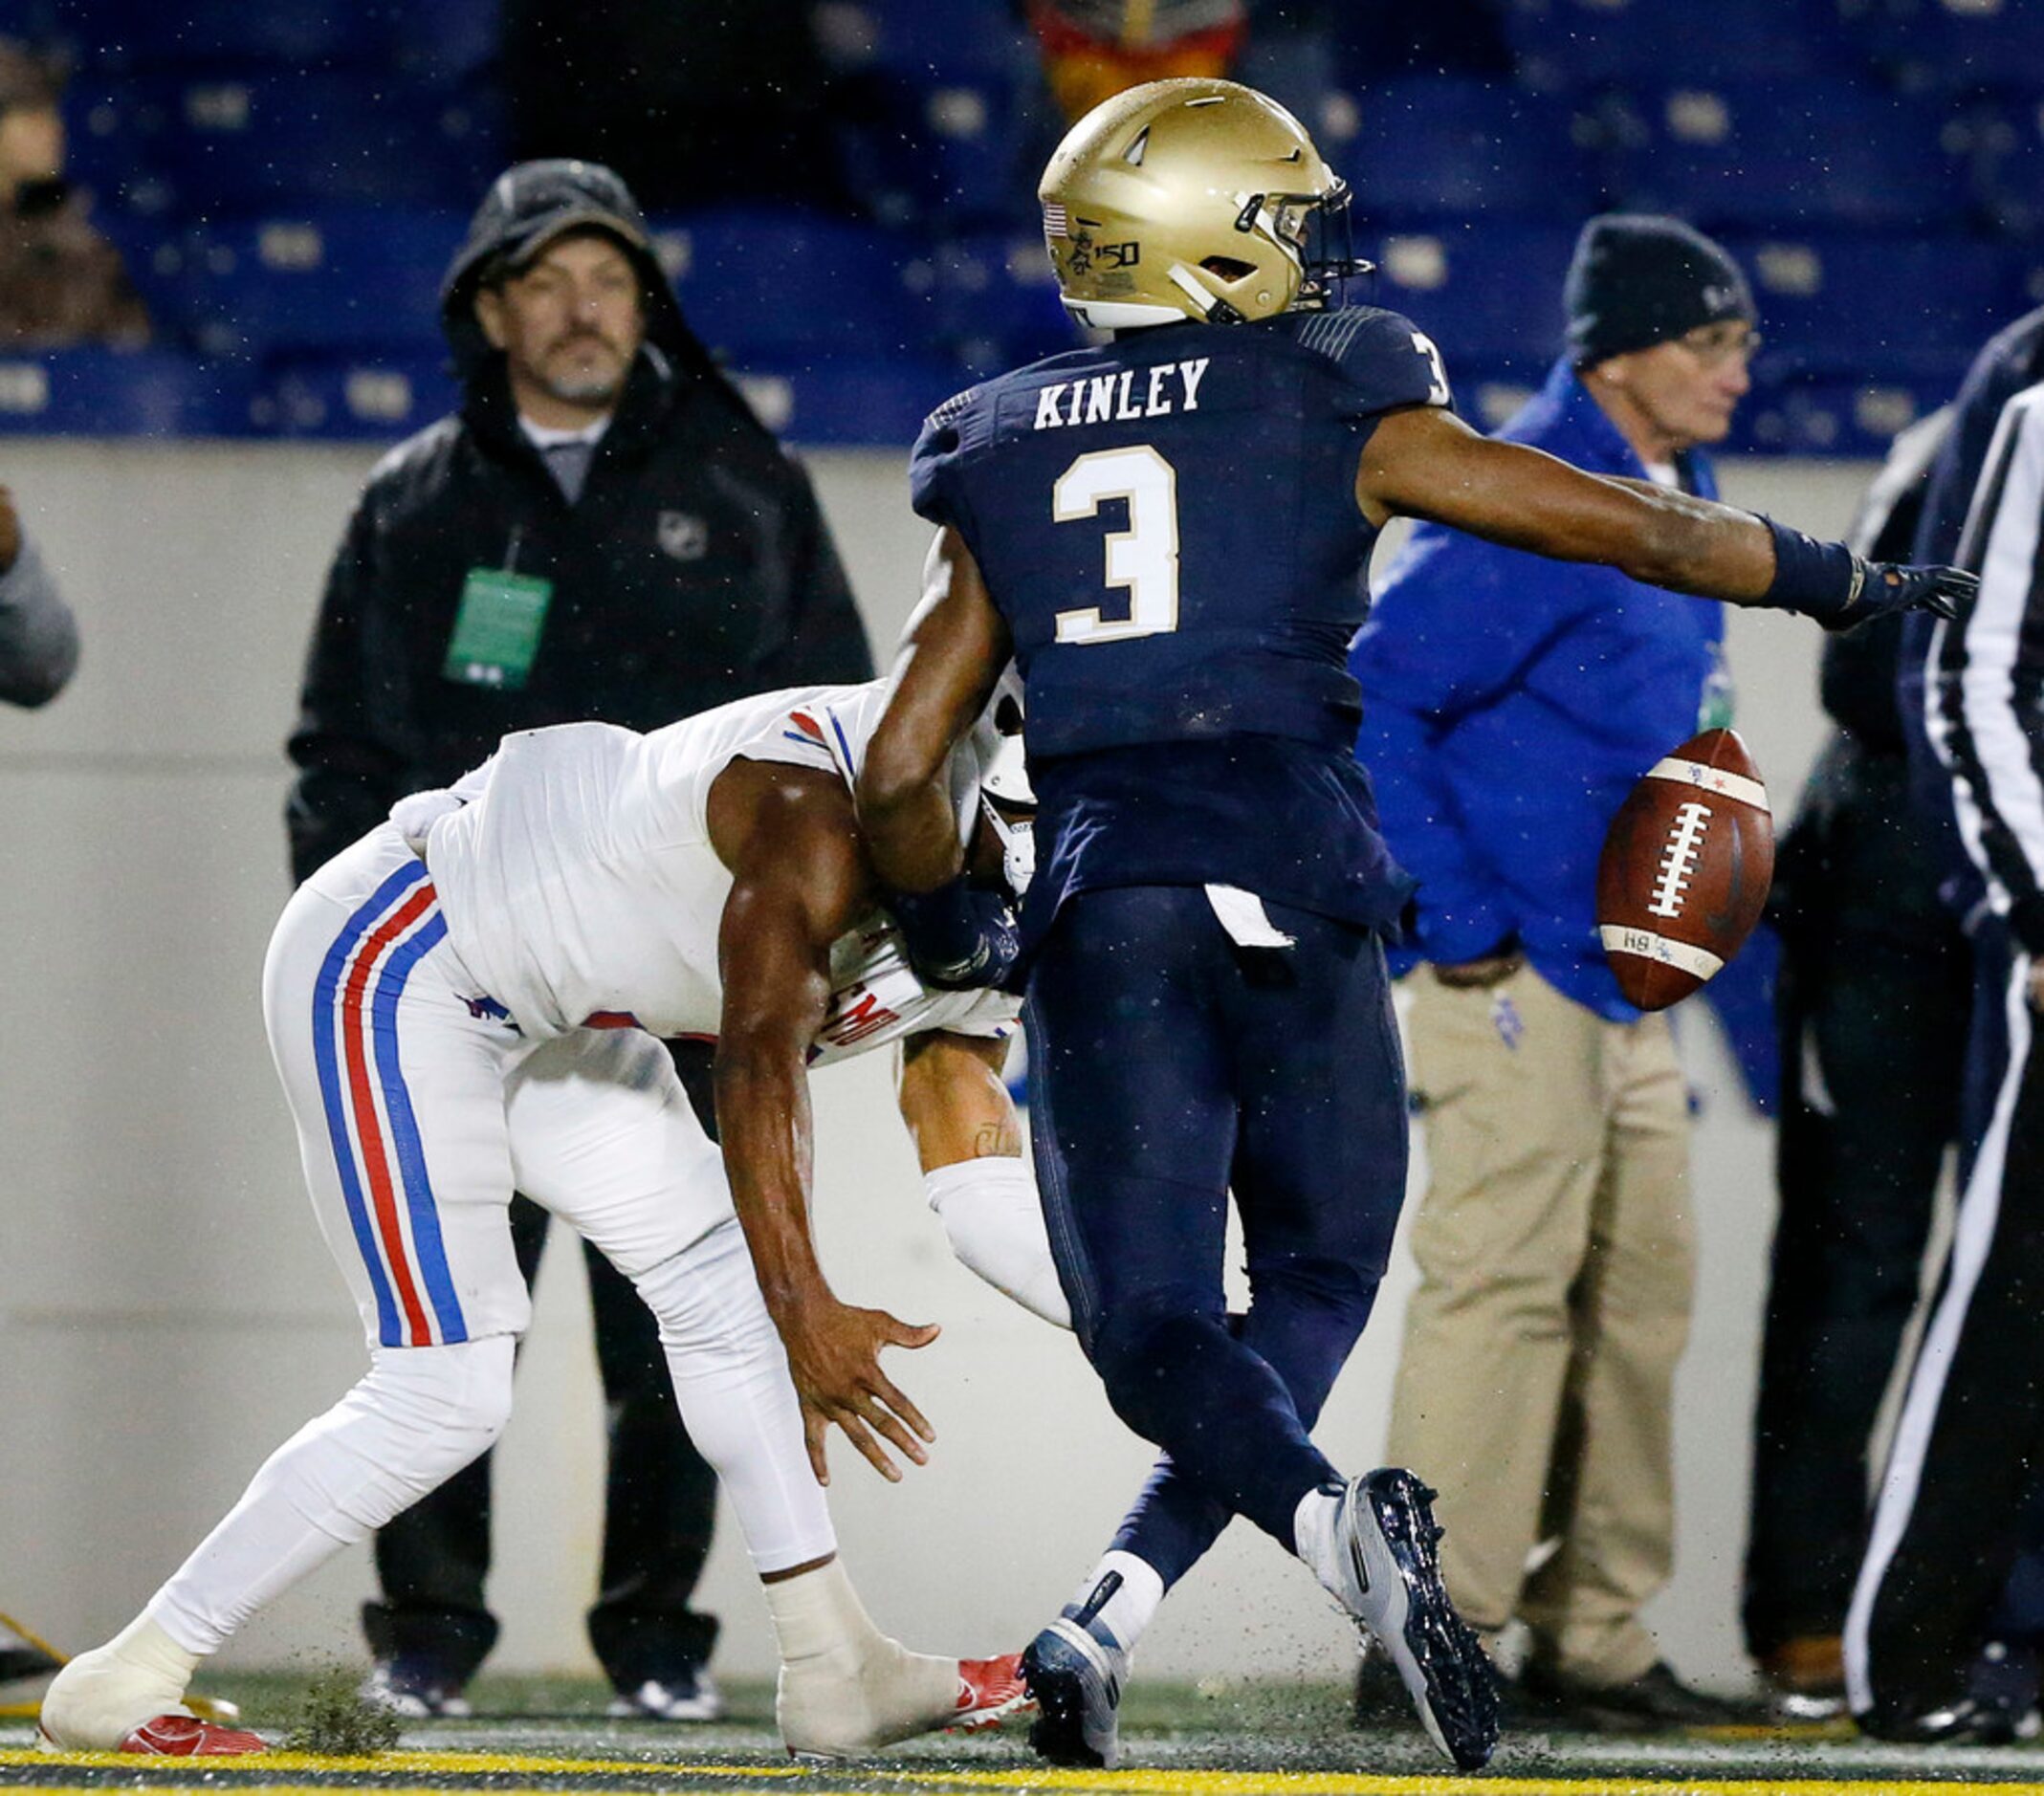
x=660, y=1495
x=1873, y=1033
x=1950, y=1522
x=431, y=1560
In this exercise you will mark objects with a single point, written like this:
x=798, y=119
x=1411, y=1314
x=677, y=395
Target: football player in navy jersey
x=1168, y=533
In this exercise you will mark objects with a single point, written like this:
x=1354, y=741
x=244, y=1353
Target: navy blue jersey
x=1168, y=524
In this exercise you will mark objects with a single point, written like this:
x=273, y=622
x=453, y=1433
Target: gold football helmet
x=1193, y=199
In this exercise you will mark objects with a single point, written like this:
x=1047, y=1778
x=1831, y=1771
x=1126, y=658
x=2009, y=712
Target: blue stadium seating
x=1832, y=417
x=1576, y=43
x=1795, y=155
x=996, y=303
x=241, y=145
x=796, y=287
x=962, y=40
x=339, y=279
x=226, y=37
x=2004, y=140
x=1489, y=295
x=1993, y=44
x=852, y=401
x=375, y=396
x=1444, y=145
x=1903, y=309
x=942, y=157
x=286, y=181
x=111, y=392
x=115, y=130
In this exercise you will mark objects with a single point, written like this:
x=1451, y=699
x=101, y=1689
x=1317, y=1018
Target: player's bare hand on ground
x=834, y=1358
x=9, y=531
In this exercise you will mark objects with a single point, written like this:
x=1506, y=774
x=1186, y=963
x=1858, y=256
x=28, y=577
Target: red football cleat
x=186, y=1737
x=989, y=1692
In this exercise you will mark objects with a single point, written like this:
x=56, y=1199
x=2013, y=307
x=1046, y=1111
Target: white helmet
x=1006, y=799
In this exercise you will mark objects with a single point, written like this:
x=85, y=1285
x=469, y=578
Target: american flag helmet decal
x=1056, y=222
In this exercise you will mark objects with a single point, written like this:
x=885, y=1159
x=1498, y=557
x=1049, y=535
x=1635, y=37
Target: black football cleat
x=1395, y=1591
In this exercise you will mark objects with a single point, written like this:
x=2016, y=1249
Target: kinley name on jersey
x=1108, y=397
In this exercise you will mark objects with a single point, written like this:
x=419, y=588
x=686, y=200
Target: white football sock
x=730, y=1374
x=1124, y=1608
x=1314, y=1530
x=101, y=1697
x=845, y=1688
x=415, y=1419
x=994, y=1224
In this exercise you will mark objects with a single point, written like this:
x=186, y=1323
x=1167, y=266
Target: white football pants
x=419, y=1108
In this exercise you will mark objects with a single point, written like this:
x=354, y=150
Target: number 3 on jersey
x=1144, y=557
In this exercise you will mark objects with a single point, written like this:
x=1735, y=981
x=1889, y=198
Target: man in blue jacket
x=1510, y=704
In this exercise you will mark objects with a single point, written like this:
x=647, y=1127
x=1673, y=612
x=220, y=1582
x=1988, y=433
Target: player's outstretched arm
x=799, y=880
x=1426, y=463
x=950, y=655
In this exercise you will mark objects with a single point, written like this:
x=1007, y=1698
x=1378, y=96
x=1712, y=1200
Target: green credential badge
x=496, y=631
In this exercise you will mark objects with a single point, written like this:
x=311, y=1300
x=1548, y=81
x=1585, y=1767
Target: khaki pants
x=1555, y=1260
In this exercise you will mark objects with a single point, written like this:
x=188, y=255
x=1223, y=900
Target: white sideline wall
x=167, y=1314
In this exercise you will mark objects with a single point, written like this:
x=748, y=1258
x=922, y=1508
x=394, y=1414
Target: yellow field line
x=262, y=1776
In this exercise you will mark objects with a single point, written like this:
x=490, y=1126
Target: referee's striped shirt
x=1984, y=700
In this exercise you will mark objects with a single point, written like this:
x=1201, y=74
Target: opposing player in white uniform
x=464, y=1005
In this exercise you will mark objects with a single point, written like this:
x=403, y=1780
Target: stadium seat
x=795, y=287
x=849, y=403
x=941, y=155
x=111, y=392
x=229, y=36
x=2004, y=142
x=1562, y=44
x=962, y=40
x=384, y=397
x=1878, y=308
x=343, y=280
x=1839, y=418
x=447, y=43
x=1488, y=294
x=996, y=303
x=114, y=145
x=249, y=144
x=1992, y=44
x=1445, y=145
x=1795, y=155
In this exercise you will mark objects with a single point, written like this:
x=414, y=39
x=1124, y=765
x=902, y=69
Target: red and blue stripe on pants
x=369, y=1115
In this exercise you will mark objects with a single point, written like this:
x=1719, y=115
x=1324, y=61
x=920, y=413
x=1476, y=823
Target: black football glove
x=959, y=937
x=1886, y=587
x=1827, y=581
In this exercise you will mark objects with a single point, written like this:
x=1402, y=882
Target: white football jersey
x=579, y=886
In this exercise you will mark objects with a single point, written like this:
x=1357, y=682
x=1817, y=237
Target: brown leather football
x=1685, y=870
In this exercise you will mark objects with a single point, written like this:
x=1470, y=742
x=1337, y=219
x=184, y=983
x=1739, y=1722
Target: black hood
x=527, y=206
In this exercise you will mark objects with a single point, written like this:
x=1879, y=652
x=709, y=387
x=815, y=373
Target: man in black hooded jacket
x=602, y=530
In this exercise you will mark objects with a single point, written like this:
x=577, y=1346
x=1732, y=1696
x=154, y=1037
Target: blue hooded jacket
x=1509, y=702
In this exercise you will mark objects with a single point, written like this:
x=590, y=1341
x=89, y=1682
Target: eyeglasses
x=1716, y=343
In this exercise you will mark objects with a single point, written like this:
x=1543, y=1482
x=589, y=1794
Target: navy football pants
x=1168, y=1066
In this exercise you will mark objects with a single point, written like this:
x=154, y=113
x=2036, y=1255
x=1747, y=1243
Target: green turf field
x=1287, y=1738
